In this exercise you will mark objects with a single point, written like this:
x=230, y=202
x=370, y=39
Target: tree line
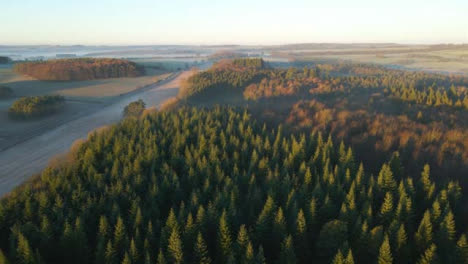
x=217, y=186
x=79, y=69
x=35, y=106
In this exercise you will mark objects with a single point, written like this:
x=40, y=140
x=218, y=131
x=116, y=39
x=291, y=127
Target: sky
x=152, y=22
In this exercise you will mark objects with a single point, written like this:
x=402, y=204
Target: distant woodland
x=79, y=69
x=4, y=60
x=35, y=106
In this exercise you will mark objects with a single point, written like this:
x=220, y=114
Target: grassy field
x=440, y=58
x=94, y=90
x=82, y=98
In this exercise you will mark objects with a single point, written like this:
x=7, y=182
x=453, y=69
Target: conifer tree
x=349, y=258
x=260, y=257
x=385, y=254
x=201, y=251
x=126, y=259
x=339, y=259
x=287, y=255
x=462, y=250
x=24, y=252
x=385, y=180
x=224, y=236
x=161, y=259
x=423, y=236
x=429, y=256
x=387, y=208
x=174, y=247
x=242, y=240
x=110, y=255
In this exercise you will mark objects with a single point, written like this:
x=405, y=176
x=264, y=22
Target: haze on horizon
x=123, y=22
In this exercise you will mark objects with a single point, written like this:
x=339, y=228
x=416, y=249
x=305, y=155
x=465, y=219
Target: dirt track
x=18, y=163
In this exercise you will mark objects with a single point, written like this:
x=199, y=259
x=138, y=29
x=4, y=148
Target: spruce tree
x=429, y=256
x=24, y=253
x=287, y=255
x=385, y=253
x=201, y=251
x=174, y=247
x=224, y=238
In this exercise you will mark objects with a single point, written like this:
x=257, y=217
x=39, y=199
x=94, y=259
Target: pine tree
x=3, y=259
x=339, y=258
x=402, y=245
x=242, y=240
x=24, y=252
x=260, y=257
x=174, y=247
x=387, y=208
x=462, y=250
x=110, y=255
x=385, y=254
x=287, y=255
x=126, y=259
x=301, y=237
x=423, y=236
x=201, y=251
x=119, y=237
x=385, y=180
x=448, y=226
x=349, y=258
x=427, y=185
x=161, y=258
x=224, y=236
x=249, y=254
x=429, y=256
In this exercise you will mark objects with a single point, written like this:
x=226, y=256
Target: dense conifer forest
x=79, y=69
x=377, y=110
x=216, y=186
x=327, y=163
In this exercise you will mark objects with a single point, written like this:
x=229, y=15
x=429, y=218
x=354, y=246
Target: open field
x=82, y=98
x=439, y=58
x=18, y=163
x=94, y=90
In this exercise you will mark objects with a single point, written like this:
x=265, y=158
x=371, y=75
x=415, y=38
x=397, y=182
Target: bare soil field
x=26, y=158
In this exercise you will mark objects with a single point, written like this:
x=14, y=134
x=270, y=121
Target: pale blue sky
x=232, y=22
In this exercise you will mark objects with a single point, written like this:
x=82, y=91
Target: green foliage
x=4, y=60
x=216, y=186
x=385, y=254
x=134, y=109
x=201, y=251
x=36, y=106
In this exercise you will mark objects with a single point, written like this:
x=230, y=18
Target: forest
x=35, y=106
x=260, y=163
x=216, y=185
x=79, y=69
x=374, y=109
x=4, y=60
